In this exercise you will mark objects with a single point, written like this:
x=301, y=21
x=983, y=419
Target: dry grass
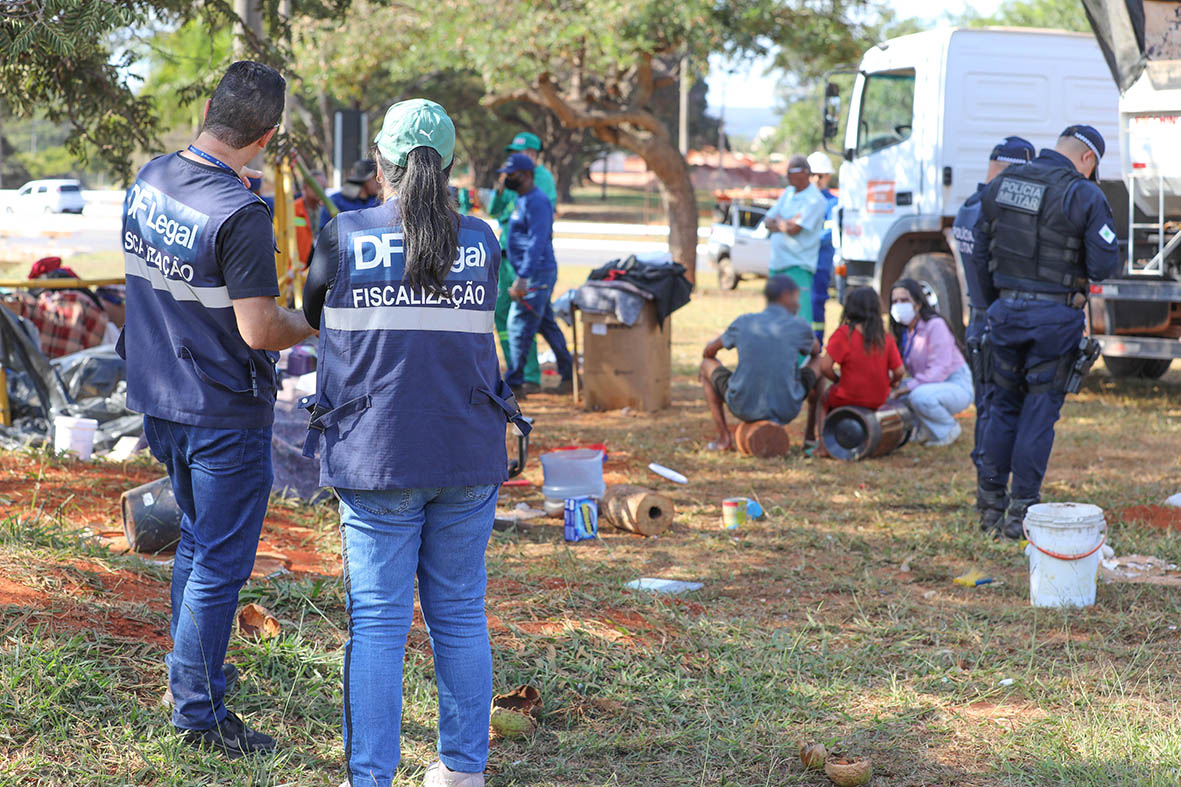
x=806, y=627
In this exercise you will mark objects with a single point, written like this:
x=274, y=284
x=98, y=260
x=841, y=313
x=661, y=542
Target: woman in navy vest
x=410, y=417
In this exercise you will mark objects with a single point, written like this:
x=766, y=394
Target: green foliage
x=1054, y=14
x=183, y=66
x=69, y=60
x=52, y=162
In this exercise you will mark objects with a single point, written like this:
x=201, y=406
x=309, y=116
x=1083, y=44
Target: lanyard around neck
x=211, y=159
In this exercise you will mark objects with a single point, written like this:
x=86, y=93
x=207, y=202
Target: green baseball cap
x=416, y=123
x=524, y=140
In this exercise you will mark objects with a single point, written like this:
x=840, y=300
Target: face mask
x=513, y=184
x=903, y=312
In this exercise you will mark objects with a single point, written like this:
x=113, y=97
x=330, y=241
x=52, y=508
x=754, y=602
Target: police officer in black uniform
x=1045, y=232
x=1009, y=151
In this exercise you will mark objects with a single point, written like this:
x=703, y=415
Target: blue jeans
x=221, y=479
x=936, y=404
x=1020, y=436
x=529, y=316
x=388, y=537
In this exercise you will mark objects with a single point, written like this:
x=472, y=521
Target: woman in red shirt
x=867, y=357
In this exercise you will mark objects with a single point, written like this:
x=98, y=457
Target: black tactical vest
x=1032, y=237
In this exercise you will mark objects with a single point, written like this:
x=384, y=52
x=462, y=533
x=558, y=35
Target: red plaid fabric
x=67, y=321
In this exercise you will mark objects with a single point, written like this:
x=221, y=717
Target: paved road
x=30, y=235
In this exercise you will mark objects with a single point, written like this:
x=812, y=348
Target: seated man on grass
x=769, y=384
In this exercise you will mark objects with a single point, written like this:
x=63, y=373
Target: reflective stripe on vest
x=186, y=359
x=180, y=290
x=408, y=318
x=408, y=386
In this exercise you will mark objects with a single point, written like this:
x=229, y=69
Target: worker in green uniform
x=501, y=209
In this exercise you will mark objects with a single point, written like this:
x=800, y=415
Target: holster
x=980, y=358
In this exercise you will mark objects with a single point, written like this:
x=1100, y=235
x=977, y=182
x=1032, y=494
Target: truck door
x=880, y=184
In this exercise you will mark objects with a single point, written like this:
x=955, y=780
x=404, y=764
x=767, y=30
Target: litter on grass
x=656, y=585
x=1174, y=500
x=1138, y=569
x=669, y=473
x=973, y=578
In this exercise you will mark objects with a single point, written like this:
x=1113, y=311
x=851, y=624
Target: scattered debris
x=657, y=585
x=848, y=773
x=151, y=518
x=754, y=510
x=813, y=755
x=973, y=578
x=1138, y=569
x=905, y=567
x=1006, y=682
x=637, y=510
x=670, y=474
x=733, y=513
x=581, y=520
x=1174, y=500
x=513, y=713
x=255, y=620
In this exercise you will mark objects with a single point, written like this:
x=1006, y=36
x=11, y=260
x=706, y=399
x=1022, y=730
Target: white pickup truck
x=739, y=245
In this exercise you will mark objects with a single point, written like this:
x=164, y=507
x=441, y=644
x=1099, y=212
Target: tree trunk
x=671, y=169
x=564, y=178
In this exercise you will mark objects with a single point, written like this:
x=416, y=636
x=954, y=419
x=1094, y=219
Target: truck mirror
x=832, y=110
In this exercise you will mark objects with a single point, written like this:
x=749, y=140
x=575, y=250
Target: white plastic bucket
x=74, y=435
x=572, y=473
x=1064, y=544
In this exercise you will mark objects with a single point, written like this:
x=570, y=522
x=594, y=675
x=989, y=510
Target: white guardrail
x=109, y=203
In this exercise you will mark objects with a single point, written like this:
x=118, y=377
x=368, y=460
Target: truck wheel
x=937, y=271
x=1136, y=368
x=1156, y=368
x=727, y=278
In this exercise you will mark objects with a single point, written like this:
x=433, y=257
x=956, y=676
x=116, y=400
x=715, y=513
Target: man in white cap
x=796, y=222
x=822, y=172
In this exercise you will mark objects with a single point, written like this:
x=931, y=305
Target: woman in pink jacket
x=939, y=384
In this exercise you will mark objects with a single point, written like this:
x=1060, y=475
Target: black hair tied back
x=430, y=223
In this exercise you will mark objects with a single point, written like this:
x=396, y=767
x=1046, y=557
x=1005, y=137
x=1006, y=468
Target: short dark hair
x=247, y=103
x=778, y=286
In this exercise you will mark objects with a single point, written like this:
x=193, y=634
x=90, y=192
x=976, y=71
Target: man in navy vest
x=1045, y=232
x=531, y=249
x=1010, y=150
x=202, y=325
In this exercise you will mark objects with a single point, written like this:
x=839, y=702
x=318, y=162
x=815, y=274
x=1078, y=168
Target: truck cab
x=924, y=113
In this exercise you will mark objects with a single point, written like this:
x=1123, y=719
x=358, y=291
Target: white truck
x=924, y=113
x=1137, y=316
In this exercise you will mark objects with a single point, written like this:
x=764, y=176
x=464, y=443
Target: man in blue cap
x=1010, y=150
x=501, y=209
x=1045, y=232
x=531, y=248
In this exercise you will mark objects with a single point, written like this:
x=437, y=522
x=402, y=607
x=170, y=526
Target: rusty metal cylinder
x=855, y=433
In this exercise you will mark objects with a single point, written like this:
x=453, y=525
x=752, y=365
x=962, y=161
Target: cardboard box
x=626, y=366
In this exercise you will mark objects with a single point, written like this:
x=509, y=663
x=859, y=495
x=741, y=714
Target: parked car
x=48, y=196
x=739, y=244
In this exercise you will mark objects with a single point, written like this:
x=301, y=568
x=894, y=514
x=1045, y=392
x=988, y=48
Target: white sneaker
x=439, y=775
x=952, y=436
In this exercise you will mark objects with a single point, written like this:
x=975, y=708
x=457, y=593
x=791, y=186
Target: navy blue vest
x=409, y=393
x=1033, y=237
x=965, y=238
x=186, y=360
